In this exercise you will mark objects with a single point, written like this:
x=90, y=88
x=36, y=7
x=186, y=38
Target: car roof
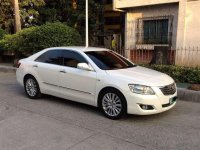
x=74, y=48
x=80, y=48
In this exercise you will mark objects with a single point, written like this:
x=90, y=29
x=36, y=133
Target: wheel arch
x=108, y=88
x=26, y=76
x=38, y=91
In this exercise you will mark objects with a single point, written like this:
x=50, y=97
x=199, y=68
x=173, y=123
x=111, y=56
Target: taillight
x=18, y=64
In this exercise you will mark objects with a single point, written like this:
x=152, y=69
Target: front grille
x=169, y=89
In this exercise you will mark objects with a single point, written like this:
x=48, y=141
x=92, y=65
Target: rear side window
x=71, y=59
x=51, y=57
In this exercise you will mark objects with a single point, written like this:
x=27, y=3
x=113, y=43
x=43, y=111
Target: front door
x=77, y=84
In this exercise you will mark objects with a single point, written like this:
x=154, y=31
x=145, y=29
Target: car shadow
x=153, y=117
x=17, y=89
x=70, y=103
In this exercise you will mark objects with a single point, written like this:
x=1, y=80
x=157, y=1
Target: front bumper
x=159, y=102
x=19, y=77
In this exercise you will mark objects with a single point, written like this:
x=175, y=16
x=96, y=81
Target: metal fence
x=121, y=52
x=189, y=57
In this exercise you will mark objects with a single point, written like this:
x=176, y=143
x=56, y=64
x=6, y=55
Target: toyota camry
x=98, y=77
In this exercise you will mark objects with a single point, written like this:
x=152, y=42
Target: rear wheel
x=112, y=104
x=31, y=87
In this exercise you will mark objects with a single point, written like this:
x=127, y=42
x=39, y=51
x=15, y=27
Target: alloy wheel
x=112, y=104
x=31, y=87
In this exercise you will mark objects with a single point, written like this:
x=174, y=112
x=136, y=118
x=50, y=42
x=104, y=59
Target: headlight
x=141, y=89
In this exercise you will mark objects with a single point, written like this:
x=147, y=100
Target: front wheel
x=112, y=104
x=31, y=87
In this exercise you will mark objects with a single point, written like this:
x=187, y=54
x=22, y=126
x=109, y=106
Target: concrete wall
x=149, y=11
x=188, y=39
x=192, y=24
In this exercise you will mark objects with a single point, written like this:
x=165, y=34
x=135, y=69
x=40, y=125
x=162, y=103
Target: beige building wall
x=188, y=49
x=192, y=24
x=119, y=4
x=149, y=11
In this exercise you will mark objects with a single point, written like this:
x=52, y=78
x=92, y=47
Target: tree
x=29, y=11
x=38, y=12
x=72, y=12
x=17, y=16
x=6, y=17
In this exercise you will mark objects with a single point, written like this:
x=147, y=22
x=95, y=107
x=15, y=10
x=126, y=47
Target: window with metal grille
x=156, y=31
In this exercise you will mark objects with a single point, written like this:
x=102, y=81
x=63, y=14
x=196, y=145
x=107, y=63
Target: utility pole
x=17, y=16
x=86, y=24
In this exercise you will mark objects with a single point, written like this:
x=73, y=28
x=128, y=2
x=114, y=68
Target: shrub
x=2, y=33
x=34, y=39
x=16, y=42
x=179, y=74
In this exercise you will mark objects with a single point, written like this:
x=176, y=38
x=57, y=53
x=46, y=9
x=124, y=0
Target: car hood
x=141, y=75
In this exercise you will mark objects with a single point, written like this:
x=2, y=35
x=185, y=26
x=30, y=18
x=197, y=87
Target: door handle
x=35, y=66
x=63, y=71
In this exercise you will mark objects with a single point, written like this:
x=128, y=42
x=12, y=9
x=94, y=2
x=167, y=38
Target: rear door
x=48, y=67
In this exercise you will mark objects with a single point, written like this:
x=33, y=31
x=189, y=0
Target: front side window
x=71, y=59
x=107, y=60
x=51, y=57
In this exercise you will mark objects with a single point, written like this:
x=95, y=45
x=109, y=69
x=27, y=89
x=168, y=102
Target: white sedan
x=98, y=77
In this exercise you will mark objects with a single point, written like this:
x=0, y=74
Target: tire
x=31, y=87
x=112, y=104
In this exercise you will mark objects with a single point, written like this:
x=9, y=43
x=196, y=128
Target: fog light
x=146, y=107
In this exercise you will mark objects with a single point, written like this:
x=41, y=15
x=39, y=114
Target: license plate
x=172, y=100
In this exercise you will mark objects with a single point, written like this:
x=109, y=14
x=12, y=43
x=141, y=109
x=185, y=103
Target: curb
x=183, y=94
x=7, y=69
x=188, y=95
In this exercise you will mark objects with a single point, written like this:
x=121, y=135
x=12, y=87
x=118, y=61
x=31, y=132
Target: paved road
x=55, y=124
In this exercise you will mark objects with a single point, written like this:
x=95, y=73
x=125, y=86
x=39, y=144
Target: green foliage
x=63, y=11
x=39, y=12
x=34, y=39
x=180, y=74
x=6, y=16
x=29, y=11
x=2, y=33
x=15, y=42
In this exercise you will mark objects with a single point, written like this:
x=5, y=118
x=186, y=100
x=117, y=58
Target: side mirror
x=84, y=66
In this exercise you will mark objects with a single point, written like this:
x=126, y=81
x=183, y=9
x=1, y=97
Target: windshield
x=108, y=60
